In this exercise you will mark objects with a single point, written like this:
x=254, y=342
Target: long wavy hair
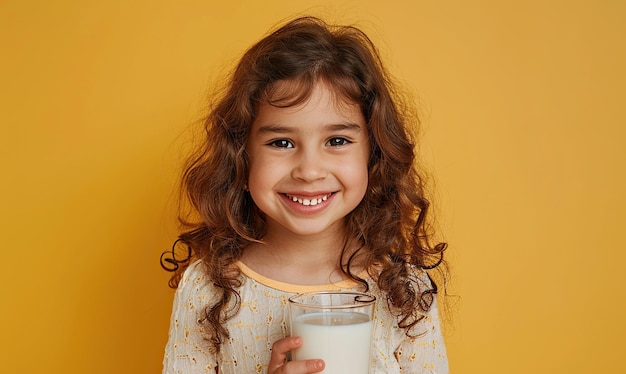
x=388, y=229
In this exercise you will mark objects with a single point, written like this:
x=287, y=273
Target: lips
x=308, y=200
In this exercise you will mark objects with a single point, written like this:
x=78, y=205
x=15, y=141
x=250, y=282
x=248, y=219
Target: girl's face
x=308, y=164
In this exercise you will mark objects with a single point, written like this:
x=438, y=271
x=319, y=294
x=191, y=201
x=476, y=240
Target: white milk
x=341, y=339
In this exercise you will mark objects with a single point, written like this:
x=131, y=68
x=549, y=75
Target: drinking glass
x=335, y=326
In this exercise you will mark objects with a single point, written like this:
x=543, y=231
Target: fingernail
x=319, y=364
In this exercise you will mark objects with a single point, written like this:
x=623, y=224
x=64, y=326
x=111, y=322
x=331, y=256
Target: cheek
x=261, y=176
x=359, y=168
x=356, y=177
x=255, y=179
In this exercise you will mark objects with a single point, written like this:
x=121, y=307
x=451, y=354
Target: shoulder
x=195, y=285
x=195, y=272
x=186, y=350
x=414, y=274
x=409, y=292
x=419, y=277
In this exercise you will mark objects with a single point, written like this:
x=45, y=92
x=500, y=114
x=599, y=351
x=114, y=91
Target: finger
x=280, y=349
x=303, y=366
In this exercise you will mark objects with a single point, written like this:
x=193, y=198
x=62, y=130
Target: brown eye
x=337, y=142
x=281, y=143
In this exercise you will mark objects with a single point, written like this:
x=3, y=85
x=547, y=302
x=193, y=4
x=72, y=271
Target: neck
x=297, y=259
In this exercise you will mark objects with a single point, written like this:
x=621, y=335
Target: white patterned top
x=263, y=319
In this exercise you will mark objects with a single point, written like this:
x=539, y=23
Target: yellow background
x=524, y=116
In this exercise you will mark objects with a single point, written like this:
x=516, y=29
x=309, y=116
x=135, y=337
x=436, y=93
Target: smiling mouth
x=308, y=201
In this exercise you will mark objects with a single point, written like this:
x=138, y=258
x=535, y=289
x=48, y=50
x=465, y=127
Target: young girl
x=305, y=181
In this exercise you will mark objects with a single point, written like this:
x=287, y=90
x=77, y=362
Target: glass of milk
x=336, y=327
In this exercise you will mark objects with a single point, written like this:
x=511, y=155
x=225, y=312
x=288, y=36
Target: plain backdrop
x=522, y=104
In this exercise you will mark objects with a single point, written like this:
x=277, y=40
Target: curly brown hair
x=388, y=228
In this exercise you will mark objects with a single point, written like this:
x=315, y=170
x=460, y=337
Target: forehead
x=294, y=92
x=322, y=105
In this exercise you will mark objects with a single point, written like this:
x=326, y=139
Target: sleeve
x=187, y=350
x=426, y=352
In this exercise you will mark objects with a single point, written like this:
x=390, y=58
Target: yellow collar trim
x=294, y=288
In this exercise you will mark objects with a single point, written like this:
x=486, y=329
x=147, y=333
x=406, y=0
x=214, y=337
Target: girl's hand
x=278, y=361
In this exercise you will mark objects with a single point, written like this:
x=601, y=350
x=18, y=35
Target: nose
x=309, y=166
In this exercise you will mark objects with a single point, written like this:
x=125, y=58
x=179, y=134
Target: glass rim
x=361, y=299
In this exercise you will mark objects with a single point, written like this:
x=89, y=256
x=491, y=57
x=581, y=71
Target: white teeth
x=308, y=202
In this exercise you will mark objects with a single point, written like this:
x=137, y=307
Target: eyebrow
x=277, y=129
